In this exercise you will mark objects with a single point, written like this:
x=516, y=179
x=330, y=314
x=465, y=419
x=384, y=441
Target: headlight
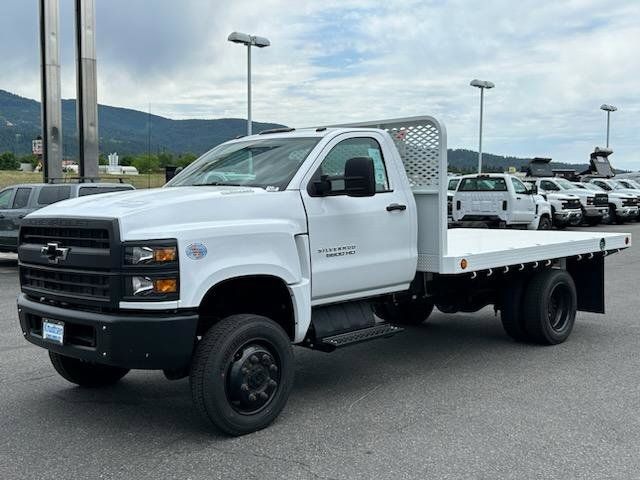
x=144, y=286
x=150, y=254
x=151, y=271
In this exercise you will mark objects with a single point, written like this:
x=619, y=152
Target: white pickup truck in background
x=291, y=237
x=499, y=200
x=621, y=206
x=594, y=206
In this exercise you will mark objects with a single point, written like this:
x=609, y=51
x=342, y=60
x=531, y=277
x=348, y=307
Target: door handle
x=396, y=206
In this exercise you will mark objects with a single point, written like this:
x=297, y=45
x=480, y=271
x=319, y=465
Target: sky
x=335, y=61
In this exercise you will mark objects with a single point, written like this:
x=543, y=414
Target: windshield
x=564, y=184
x=593, y=187
x=630, y=184
x=269, y=163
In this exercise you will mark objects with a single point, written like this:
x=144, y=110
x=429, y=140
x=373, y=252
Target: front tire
x=86, y=374
x=549, y=307
x=544, y=223
x=242, y=373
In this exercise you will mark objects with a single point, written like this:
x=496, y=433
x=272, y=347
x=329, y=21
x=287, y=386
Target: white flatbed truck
x=282, y=238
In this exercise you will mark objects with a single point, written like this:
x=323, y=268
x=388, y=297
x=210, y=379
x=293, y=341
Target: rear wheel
x=86, y=374
x=410, y=312
x=242, y=373
x=549, y=307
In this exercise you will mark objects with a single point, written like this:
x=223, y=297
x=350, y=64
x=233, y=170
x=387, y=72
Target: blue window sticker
x=196, y=251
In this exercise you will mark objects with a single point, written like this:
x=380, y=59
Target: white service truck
x=284, y=238
x=499, y=200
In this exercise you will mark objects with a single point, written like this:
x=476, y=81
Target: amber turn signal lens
x=165, y=285
x=463, y=263
x=168, y=254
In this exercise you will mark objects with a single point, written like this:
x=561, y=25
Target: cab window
x=334, y=163
x=53, y=194
x=483, y=184
x=5, y=198
x=21, y=199
x=518, y=186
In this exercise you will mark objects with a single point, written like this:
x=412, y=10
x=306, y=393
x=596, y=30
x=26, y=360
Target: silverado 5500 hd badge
x=338, y=251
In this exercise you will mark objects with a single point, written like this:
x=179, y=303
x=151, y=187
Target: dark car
x=18, y=201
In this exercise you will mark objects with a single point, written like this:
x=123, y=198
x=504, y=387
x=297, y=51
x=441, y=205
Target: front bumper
x=627, y=212
x=596, y=211
x=567, y=216
x=152, y=341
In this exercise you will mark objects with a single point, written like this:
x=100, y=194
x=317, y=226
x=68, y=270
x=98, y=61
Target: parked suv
x=18, y=201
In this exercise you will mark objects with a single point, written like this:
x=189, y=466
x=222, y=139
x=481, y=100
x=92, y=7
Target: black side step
x=361, y=335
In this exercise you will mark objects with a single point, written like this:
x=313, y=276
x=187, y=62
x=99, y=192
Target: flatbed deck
x=485, y=248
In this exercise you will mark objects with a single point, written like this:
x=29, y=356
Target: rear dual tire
x=541, y=311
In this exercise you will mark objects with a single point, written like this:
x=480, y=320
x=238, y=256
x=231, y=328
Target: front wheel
x=242, y=373
x=86, y=374
x=544, y=223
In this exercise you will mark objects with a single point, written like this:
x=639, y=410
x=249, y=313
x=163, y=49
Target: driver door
x=358, y=244
x=524, y=205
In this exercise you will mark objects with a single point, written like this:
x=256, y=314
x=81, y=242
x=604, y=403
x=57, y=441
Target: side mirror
x=533, y=189
x=359, y=180
x=322, y=187
x=359, y=177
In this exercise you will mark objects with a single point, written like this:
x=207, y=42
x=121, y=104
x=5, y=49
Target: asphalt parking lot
x=454, y=398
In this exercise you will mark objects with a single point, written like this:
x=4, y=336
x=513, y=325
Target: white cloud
x=553, y=63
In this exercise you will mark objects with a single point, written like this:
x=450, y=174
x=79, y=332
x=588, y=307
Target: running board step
x=361, y=335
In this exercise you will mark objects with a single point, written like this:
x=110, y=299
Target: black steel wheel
x=549, y=307
x=242, y=373
x=86, y=374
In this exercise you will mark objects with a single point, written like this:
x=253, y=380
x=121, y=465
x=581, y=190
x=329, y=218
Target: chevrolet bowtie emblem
x=54, y=252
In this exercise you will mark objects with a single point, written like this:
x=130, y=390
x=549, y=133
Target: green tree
x=8, y=161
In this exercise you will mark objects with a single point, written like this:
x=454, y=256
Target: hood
x=165, y=210
x=562, y=196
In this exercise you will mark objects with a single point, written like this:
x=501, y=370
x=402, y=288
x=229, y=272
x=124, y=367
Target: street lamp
x=608, y=109
x=481, y=84
x=249, y=41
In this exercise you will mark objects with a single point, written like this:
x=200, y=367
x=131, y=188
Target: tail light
x=504, y=205
x=458, y=205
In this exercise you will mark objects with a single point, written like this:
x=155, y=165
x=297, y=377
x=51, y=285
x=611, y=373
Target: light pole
x=249, y=41
x=608, y=109
x=481, y=84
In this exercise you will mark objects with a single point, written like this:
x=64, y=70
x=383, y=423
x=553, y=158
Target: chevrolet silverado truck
x=322, y=237
x=623, y=206
x=594, y=206
x=499, y=200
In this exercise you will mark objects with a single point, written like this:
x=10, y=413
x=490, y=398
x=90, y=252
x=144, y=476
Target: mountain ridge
x=124, y=130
